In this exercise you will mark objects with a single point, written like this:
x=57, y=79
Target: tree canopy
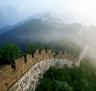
x=81, y=78
x=9, y=52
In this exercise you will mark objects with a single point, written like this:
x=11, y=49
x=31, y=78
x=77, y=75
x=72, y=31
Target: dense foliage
x=82, y=78
x=9, y=52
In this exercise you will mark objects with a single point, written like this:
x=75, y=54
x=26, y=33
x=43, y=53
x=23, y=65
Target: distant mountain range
x=43, y=28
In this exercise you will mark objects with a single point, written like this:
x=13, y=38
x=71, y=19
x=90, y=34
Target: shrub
x=9, y=52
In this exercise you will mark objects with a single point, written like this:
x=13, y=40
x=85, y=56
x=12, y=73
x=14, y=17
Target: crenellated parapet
x=9, y=76
x=30, y=80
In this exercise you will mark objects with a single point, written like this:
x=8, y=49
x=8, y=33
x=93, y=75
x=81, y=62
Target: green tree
x=10, y=52
x=82, y=78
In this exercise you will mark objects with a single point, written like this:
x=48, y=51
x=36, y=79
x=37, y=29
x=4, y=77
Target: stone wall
x=8, y=76
x=30, y=80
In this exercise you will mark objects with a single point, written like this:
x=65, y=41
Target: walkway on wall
x=8, y=76
x=30, y=79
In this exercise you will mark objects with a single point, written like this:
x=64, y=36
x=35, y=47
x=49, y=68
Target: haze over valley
x=48, y=28
x=47, y=45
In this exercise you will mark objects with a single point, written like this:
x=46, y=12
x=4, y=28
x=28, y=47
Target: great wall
x=27, y=74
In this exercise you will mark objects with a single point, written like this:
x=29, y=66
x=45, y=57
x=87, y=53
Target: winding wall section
x=29, y=81
x=27, y=73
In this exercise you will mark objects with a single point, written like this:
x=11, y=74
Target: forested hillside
x=82, y=78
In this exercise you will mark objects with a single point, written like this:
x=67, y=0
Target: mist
x=71, y=22
x=70, y=11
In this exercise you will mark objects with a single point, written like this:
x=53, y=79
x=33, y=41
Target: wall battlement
x=8, y=76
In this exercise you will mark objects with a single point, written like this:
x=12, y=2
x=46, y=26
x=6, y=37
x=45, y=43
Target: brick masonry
x=30, y=80
x=28, y=73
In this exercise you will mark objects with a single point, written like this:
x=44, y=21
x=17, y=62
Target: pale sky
x=83, y=11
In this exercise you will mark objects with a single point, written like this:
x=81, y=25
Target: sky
x=70, y=11
x=14, y=11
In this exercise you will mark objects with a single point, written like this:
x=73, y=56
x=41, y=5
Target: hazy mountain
x=46, y=29
x=4, y=29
